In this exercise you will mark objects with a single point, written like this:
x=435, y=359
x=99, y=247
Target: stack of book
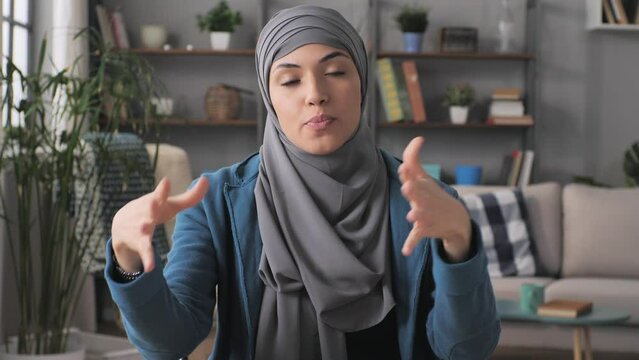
x=400, y=90
x=507, y=108
x=516, y=168
x=564, y=308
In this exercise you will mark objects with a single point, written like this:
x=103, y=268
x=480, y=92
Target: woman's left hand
x=434, y=213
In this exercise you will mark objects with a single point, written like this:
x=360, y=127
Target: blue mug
x=468, y=174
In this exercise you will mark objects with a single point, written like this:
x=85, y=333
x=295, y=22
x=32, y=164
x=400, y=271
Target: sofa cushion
x=503, y=221
x=508, y=287
x=601, y=232
x=620, y=294
x=543, y=202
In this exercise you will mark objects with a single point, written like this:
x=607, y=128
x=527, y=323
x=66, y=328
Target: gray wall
x=587, y=85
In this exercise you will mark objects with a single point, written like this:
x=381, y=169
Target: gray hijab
x=323, y=218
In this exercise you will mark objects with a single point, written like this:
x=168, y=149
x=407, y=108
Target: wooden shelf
x=448, y=125
x=595, y=15
x=206, y=122
x=459, y=56
x=194, y=52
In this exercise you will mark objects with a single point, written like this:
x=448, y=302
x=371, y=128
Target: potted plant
x=43, y=162
x=220, y=21
x=459, y=98
x=631, y=165
x=412, y=21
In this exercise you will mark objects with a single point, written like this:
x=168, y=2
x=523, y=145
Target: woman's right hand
x=133, y=225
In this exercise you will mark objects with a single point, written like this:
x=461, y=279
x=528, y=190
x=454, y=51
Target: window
x=16, y=35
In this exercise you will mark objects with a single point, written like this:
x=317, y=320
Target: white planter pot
x=458, y=114
x=75, y=351
x=220, y=40
x=153, y=36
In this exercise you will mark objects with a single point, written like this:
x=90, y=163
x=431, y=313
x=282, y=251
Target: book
x=506, y=94
x=104, y=22
x=402, y=90
x=506, y=164
x=619, y=11
x=564, y=308
x=609, y=17
x=119, y=30
x=526, y=168
x=507, y=108
x=388, y=90
x=513, y=176
x=411, y=78
x=511, y=120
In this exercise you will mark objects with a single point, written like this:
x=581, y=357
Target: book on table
x=565, y=308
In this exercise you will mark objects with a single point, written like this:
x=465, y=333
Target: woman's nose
x=317, y=94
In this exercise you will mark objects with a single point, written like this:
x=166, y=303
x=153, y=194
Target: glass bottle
x=505, y=28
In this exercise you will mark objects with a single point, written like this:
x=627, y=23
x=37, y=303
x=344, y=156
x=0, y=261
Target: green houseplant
x=412, y=21
x=459, y=98
x=631, y=165
x=220, y=22
x=43, y=156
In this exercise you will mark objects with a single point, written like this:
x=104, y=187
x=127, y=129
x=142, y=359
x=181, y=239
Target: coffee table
x=600, y=315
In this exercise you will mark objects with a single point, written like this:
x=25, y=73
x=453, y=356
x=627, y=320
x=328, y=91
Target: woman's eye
x=290, y=82
x=336, y=73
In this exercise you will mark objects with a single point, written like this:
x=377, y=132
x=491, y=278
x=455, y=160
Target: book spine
x=105, y=25
x=411, y=78
x=526, y=168
x=402, y=91
x=514, y=170
x=388, y=90
x=120, y=30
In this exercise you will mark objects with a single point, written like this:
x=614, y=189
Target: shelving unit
x=526, y=61
x=595, y=19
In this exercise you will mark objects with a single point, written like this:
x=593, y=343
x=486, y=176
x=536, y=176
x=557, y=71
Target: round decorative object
x=222, y=102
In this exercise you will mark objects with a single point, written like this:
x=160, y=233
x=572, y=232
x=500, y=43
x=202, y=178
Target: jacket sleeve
x=463, y=323
x=168, y=311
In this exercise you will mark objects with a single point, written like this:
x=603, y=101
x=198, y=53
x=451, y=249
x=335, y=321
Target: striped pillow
x=503, y=221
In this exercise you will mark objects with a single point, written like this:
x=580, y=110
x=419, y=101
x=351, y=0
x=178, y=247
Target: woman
x=309, y=243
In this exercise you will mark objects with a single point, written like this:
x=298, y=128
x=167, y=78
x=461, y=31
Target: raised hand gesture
x=133, y=225
x=434, y=213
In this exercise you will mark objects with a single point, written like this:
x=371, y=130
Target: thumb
x=192, y=196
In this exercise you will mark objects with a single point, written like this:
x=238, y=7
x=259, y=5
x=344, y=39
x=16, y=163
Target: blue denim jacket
x=443, y=310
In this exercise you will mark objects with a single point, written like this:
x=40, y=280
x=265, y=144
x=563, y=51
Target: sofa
x=585, y=242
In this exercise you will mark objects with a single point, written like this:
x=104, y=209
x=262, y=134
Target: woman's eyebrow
x=324, y=58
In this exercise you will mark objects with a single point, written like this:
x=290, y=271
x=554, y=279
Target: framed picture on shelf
x=458, y=39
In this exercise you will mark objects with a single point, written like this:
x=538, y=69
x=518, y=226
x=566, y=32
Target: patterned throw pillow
x=503, y=221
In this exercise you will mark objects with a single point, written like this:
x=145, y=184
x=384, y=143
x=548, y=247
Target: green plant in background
x=631, y=165
x=42, y=158
x=459, y=95
x=219, y=18
x=412, y=18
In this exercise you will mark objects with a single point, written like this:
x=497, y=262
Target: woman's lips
x=320, y=122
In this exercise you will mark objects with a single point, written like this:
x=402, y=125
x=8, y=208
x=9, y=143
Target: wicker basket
x=222, y=102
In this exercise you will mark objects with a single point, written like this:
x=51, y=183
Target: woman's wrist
x=124, y=274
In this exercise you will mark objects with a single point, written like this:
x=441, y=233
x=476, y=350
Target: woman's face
x=315, y=92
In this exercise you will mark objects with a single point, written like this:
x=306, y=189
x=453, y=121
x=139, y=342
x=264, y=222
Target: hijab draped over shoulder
x=323, y=219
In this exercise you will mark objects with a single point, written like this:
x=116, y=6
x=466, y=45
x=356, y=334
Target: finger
x=192, y=196
x=147, y=256
x=412, y=163
x=162, y=190
x=413, y=238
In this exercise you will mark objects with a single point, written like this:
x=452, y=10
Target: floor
x=509, y=353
